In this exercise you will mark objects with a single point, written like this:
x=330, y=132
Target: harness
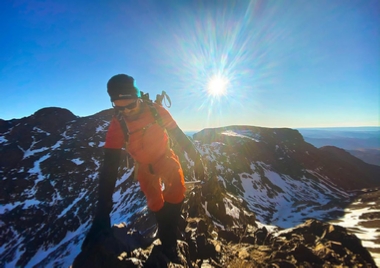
x=120, y=117
x=156, y=116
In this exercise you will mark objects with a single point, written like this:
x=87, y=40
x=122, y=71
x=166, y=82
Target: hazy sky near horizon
x=283, y=63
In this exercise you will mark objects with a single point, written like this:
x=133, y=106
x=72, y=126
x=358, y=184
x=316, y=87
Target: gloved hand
x=100, y=225
x=199, y=169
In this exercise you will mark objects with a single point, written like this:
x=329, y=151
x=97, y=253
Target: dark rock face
x=49, y=165
x=51, y=119
x=347, y=168
x=40, y=130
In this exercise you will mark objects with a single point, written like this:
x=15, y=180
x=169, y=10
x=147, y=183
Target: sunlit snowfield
x=367, y=233
x=286, y=215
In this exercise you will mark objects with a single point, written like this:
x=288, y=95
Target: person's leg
x=171, y=174
x=150, y=185
x=170, y=171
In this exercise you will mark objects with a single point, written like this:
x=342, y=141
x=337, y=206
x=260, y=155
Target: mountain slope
x=50, y=162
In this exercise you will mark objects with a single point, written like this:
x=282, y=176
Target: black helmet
x=122, y=86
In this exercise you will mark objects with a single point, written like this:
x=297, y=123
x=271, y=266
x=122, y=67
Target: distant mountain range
x=261, y=181
x=361, y=142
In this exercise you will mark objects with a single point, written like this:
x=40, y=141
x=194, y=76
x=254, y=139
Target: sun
x=217, y=86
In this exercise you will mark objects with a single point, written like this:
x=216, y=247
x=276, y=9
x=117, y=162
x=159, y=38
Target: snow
x=122, y=206
x=219, y=167
x=36, y=168
x=3, y=139
x=73, y=248
x=77, y=161
x=57, y=145
x=38, y=130
x=367, y=235
x=205, y=208
x=31, y=202
x=30, y=151
x=81, y=195
x=118, y=194
x=103, y=127
x=124, y=177
x=17, y=256
x=270, y=228
x=326, y=181
x=273, y=196
x=8, y=207
x=96, y=162
x=247, y=134
x=231, y=210
x=220, y=179
x=2, y=248
x=68, y=137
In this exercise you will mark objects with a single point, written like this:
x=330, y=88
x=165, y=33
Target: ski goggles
x=130, y=106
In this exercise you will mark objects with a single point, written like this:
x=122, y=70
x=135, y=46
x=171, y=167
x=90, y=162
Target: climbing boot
x=167, y=220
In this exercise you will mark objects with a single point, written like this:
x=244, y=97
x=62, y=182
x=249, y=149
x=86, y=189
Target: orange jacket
x=148, y=140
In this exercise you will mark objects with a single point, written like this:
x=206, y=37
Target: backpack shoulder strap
x=123, y=125
x=124, y=128
x=156, y=115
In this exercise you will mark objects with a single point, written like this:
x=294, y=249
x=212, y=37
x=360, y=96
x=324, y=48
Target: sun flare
x=217, y=86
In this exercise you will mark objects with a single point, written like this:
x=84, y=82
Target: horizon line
x=319, y=127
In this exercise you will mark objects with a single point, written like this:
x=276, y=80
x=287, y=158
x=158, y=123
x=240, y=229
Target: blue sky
x=292, y=63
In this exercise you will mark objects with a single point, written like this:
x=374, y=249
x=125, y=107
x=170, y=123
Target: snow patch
x=36, y=168
x=83, y=193
x=9, y=207
x=124, y=177
x=351, y=219
x=30, y=203
x=247, y=134
x=102, y=128
x=38, y=130
x=231, y=210
x=77, y=161
x=29, y=152
x=57, y=145
x=3, y=139
x=73, y=248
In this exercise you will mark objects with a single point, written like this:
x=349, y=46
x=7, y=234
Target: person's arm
x=184, y=142
x=107, y=180
x=108, y=175
x=187, y=145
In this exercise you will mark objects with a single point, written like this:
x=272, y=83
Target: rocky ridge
x=240, y=244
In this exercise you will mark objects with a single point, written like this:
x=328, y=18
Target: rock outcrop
x=205, y=244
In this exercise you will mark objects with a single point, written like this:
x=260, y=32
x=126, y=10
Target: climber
x=147, y=142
